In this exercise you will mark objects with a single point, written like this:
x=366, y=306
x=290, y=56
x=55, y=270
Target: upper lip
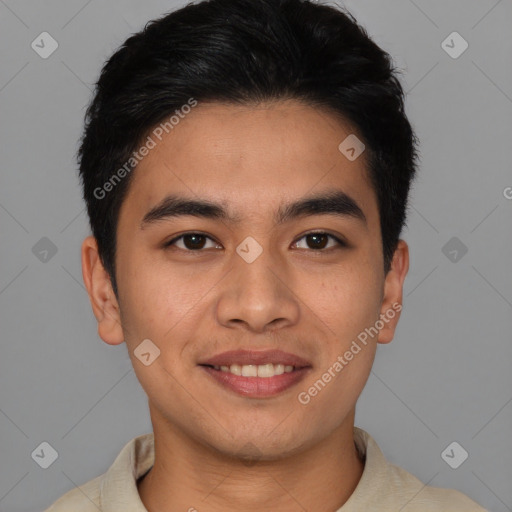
x=246, y=357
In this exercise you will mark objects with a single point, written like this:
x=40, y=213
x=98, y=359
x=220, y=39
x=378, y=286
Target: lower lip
x=257, y=387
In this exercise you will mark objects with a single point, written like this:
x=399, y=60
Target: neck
x=189, y=476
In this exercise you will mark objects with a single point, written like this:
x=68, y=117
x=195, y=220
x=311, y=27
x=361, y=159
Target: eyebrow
x=334, y=202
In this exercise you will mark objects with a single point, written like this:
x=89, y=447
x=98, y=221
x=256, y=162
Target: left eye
x=319, y=240
x=198, y=241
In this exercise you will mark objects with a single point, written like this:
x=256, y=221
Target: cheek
x=348, y=300
x=354, y=301
x=155, y=297
x=332, y=394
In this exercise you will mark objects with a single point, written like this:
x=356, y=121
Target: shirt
x=383, y=487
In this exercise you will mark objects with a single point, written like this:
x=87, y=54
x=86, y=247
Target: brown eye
x=319, y=241
x=191, y=242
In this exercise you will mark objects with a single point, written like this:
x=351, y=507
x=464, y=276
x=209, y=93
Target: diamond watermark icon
x=454, y=45
x=454, y=249
x=45, y=455
x=249, y=249
x=351, y=147
x=44, y=45
x=44, y=250
x=146, y=352
x=253, y=450
x=454, y=455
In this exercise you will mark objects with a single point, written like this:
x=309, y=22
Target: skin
x=216, y=450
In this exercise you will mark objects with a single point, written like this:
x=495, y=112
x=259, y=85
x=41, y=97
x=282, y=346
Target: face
x=248, y=271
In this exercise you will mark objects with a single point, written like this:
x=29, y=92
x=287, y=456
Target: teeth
x=235, y=369
x=251, y=370
x=266, y=370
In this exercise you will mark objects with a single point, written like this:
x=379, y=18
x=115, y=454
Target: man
x=246, y=166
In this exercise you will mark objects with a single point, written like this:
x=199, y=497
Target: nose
x=258, y=296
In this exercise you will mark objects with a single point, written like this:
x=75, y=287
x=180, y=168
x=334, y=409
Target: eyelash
x=341, y=243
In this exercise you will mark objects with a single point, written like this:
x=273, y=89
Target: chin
x=259, y=446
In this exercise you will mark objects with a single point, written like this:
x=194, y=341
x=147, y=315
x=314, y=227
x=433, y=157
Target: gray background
x=446, y=376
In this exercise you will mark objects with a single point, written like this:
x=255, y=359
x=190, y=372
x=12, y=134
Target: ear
x=393, y=291
x=101, y=294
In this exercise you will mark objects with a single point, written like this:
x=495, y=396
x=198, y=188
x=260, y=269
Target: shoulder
x=419, y=497
x=85, y=498
x=387, y=487
x=115, y=488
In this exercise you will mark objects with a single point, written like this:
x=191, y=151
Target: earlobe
x=393, y=292
x=99, y=287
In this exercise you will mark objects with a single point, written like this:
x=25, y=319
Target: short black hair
x=246, y=52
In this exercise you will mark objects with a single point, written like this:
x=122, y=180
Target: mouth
x=262, y=374
x=264, y=371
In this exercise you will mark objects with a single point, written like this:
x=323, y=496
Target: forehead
x=249, y=157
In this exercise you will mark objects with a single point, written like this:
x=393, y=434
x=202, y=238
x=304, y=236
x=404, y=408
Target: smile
x=274, y=379
x=252, y=370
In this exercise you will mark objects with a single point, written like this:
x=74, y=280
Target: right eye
x=191, y=242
